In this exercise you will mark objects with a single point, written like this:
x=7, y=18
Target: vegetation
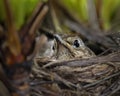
x=95, y=21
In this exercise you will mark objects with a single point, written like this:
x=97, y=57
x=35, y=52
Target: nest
x=96, y=76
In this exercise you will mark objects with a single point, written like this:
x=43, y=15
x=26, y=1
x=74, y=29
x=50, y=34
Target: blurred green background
x=109, y=10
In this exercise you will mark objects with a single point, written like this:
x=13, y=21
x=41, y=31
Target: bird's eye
x=53, y=47
x=76, y=43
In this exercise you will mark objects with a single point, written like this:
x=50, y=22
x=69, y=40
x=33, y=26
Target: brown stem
x=33, y=25
x=12, y=36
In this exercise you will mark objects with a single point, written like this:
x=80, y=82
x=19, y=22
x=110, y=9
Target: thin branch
x=38, y=20
x=54, y=17
x=12, y=36
x=102, y=80
x=85, y=62
x=114, y=88
x=98, y=12
x=28, y=40
x=25, y=29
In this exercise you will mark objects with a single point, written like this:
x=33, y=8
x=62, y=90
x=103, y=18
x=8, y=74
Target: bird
x=70, y=47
